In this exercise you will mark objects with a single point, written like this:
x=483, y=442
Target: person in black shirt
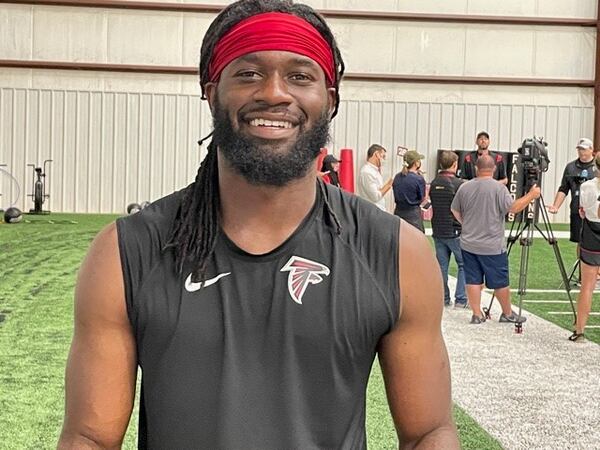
x=409, y=190
x=446, y=229
x=256, y=299
x=330, y=170
x=467, y=170
x=576, y=172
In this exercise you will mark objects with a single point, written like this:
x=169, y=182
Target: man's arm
x=558, y=201
x=101, y=370
x=521, y=203
x=386, y=187
x=561, y=194
x=413, y=355
x=457, y=215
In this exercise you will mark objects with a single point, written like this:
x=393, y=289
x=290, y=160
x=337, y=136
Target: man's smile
x=270, y=126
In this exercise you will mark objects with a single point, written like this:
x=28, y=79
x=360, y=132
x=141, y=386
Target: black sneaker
x=476, y=320
x=577, y=337
x=512, y=318
x=461, y=305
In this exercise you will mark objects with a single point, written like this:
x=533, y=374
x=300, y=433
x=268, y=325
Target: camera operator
x=576, y=172
x=481, y=205
x=589, y=249
x=467, y=170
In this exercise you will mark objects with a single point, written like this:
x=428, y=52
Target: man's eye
x=247, y=74
x=300, y=77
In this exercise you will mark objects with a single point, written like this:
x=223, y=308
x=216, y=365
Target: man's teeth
x=270, y=123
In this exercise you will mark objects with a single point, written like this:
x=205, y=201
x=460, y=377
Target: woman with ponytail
x=589, y=249
x=409, y=190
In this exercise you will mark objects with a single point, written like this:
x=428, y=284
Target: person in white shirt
x=589, y=248
x=370, y=181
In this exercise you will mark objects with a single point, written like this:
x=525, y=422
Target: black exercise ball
x=13, y=215
x=132, y=208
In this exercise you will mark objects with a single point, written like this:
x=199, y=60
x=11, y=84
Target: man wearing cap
x=256, y=299
x=576, y=172
x=409, y=190
x=370, y=182
x=468, y=167
x=481, y=205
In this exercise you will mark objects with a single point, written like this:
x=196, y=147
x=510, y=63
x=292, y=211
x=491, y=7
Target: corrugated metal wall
x=110, y=149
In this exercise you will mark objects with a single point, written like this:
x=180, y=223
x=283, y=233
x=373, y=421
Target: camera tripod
x=524, y=235
x=575, y=275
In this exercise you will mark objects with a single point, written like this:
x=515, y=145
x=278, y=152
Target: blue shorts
x=491, y=268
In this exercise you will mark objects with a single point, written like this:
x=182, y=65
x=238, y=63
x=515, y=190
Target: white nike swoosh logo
x=193, y=287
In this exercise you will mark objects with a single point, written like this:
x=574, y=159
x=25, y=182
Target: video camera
x=533, y=161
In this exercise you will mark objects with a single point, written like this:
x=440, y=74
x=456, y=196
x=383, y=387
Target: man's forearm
x=457, y=216
x=559, y=199
x=443, y=437
x=386, y=187
x=521, y=203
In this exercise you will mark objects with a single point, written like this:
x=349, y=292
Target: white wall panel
x=505, y=7
x=145, y=37
x=559, y=53
x=503, y=51
x=194, y=29
x=15, y=31
x=69, y=34
x=414, y=42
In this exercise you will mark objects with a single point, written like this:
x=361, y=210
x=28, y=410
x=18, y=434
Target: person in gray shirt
x=481, y=205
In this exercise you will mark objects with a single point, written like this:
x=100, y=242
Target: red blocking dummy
x=347, y=170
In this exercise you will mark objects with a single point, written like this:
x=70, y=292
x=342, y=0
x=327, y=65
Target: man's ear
x=210, y=89
x=331, y=100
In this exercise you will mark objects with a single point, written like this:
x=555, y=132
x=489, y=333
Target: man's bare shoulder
x=99, y=289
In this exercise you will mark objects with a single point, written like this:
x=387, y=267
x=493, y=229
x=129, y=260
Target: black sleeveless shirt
x=275, y=350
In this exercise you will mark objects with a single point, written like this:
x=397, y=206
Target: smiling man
x=255, y=300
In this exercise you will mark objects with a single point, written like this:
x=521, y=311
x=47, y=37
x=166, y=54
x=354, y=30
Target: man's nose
x=273, y=90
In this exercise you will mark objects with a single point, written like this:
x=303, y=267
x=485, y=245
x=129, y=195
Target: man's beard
x=261, y=161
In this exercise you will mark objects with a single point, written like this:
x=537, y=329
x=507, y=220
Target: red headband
x=272, y=31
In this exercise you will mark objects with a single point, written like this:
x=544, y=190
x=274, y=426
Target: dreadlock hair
x=195, y=230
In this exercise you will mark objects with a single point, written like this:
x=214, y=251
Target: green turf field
x=38, y=265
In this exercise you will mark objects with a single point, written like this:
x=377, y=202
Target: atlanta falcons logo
x=303, y=272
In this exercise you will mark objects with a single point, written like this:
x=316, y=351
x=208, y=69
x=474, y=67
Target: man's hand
x=558, y=201
x=535, y=191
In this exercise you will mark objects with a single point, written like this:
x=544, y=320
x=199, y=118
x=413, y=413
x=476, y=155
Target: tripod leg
x=561, y=265
x=574, y=269
x=526, y=243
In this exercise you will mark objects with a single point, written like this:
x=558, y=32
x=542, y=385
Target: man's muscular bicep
x=413, y=356
x=101, y=369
